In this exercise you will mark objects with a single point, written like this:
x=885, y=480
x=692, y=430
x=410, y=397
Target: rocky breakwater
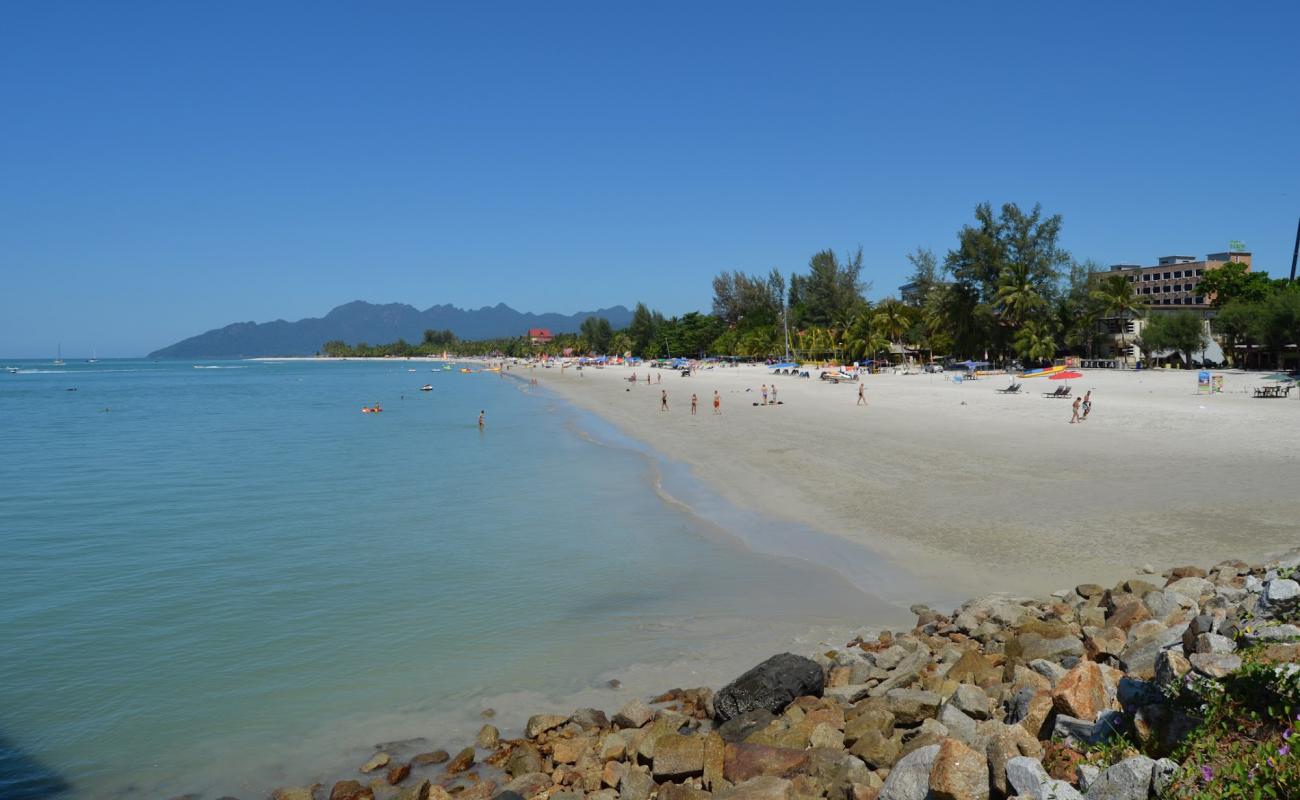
x=1091, y=693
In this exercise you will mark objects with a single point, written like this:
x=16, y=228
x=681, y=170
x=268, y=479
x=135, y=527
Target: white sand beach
x=973, y=490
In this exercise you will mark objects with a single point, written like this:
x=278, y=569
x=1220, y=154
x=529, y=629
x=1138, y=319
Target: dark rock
x=740, y=728
x=772, y=685
x=436, y=757
x=416, y=791
x=524, y=758
x=398, y=774
x=590, y=718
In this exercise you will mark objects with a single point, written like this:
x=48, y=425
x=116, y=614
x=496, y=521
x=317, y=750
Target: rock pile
x=1000, y=699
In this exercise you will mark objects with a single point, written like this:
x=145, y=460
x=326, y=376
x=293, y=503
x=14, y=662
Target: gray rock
x=1214, y=643
x=772, y=685
x=1162, y=603
x=1162, y=773
x=1274, y=633
x=910, y=777
x=633, y=715
x=1281, y=590
x=1191, y=587
x=1048, y=669
x=1215, y=665
x=1027, y=776
x=1060, y=790
x=1202, y=623
x=1128, y=780
x=890, y=657
x=1086, y=773
x=1077, y=732
x=960, y=726
x=636, y=785
x=912, y=706
x=848, y=695
x=904, y=674
x=1139, y=656
x=972, y=701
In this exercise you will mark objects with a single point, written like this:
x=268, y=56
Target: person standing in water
x=480, y=420
x=663, y=400
x=694, y=402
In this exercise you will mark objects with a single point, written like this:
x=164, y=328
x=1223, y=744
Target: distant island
x=360, y=321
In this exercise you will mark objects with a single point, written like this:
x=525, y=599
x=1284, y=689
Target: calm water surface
x=220, y=579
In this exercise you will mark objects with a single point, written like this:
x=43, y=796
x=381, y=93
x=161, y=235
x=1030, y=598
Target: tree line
x=1006, y=290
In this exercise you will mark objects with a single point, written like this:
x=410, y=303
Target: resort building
x=1172, y=284
x=540, y=335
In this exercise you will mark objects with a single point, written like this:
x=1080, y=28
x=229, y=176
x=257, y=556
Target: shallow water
x=217, y=580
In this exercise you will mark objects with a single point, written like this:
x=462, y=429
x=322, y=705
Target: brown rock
x=1177, y=573
x=529, y=785
x=435, y=757
x=1107, y=642
x=714, y=761
x=973, y=667
x=959, y=773
x=764, y=787
x=678, y=757
x=636, y=785
x=878, y=718
x=398, y=774
x=421, y=790
x=376, y=761
x=568, y=751
x=1129, y=614
x=488, y=736
x=524, y=758
x=1004, y=743
x=296, y=792
x=861, y=791
x=483, y=790
x=633, y=715
x=682, y=791
x=613, y=773
x=1278, y=653
x=875, y=749
x=1088, y=590
x=1082, y=692
x=351, y=790
x=838, y=677
x=744, y=761
x=463, y=761
x=540, y=723
x=1040, y=708
x=911, y=706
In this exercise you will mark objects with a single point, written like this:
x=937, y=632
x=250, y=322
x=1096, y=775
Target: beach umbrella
x=1068, y=375
x=1278, y=376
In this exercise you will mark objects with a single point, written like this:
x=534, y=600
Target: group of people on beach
x=695, y=402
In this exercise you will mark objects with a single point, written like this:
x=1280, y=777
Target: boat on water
x=428, y=387
x=12, y=370
x=58, y=362
x=94, y=357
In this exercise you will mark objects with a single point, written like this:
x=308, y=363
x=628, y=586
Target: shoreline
x=965, y=475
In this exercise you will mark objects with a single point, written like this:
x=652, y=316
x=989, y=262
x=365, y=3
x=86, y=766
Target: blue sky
x=170, y=167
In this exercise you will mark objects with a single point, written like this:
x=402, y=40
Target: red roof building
x=540, y=336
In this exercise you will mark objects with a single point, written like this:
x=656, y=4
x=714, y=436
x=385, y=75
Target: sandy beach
x=970, y=490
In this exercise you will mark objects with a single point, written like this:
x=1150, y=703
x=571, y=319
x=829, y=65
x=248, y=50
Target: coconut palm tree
x=1035, y=341
x=1018, y=295
x=1117, y=298
x=892, y=318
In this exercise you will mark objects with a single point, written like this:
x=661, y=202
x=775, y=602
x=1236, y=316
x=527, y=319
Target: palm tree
x=1018, y=295
x=892, y=318
x=1035, y=341
x=1117, y=299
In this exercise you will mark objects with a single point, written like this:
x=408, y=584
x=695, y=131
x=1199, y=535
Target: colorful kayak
x=1042, y=373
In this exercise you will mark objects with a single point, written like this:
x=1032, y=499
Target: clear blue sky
x=166, y=168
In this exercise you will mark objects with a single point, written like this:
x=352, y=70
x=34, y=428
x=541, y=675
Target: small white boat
x=428, y=387
x=12, y=370
x=58, y=362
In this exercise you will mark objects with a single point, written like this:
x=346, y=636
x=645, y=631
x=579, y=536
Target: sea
x=220, y=577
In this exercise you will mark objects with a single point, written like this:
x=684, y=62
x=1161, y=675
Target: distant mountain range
x=360, y=321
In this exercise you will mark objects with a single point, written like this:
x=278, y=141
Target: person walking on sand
x=694, y=402
x=480, y=420
x=765, y=394
x=663, y=400
x=1078, y=401
x=1087, y=405
x=659, y=377
x=862, y=394
x=774, y=394
x=717, y=403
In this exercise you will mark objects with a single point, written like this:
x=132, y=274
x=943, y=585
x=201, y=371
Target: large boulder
x=910, y=777
x=772, y=685
x=959, y=773
x=1082, y=692
x=1130, y=779
x=1026, y=776
x=678, y=757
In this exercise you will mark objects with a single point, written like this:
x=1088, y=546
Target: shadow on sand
x=24, y=778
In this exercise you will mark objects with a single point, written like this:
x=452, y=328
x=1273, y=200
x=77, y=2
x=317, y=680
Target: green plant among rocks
x=1243, y=749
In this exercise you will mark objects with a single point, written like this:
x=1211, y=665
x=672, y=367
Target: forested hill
x=360, y=321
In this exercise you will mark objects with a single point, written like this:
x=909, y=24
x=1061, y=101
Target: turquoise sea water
x=221, y=579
